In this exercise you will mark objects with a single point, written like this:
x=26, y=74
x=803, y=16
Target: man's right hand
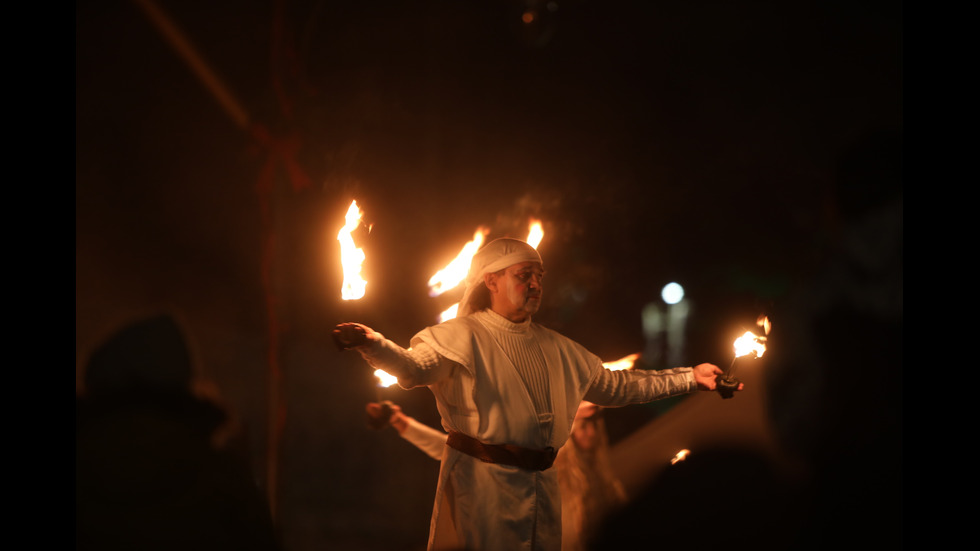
x=352, y=335
x=706, y=376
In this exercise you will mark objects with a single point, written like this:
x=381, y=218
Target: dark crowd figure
x=159, y=463
x=836, y=379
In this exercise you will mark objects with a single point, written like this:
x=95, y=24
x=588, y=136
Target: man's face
x=515, y=292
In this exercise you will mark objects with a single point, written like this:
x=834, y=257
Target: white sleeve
x=425, y=438
x=413, y=367
x=629, y=386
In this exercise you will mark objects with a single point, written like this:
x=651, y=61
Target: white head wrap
x=493, y=257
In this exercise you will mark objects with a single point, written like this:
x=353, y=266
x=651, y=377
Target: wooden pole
x=183, y=46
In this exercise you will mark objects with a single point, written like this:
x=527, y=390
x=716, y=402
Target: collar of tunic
x=499, y=322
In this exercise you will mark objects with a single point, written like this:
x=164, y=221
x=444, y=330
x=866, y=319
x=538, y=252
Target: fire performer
x=507, y=390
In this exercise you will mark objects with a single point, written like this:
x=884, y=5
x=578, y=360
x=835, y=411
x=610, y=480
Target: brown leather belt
x=503, y=454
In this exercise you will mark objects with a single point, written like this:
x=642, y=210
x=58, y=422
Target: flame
x=750, y=343
x=455, y=272
x=680, y=456
x=535, y=233
x=625, y=362
x=449, y=313
x=763, y=322
x=351, y=257
x=384, y=379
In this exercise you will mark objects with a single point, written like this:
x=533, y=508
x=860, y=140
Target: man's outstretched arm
x=413, y=367
x=624, y=387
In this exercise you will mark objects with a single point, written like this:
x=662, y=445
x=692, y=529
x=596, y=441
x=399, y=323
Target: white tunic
x=480, y=392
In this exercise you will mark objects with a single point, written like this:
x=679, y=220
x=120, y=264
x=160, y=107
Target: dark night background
x=735, y=147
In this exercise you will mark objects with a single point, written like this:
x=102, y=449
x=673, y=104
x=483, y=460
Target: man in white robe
x=507, y=390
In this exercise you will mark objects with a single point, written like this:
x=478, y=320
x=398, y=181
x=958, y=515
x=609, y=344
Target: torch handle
x=726, y=386
x=730, y=372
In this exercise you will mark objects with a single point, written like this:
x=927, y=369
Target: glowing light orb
x=672, y=293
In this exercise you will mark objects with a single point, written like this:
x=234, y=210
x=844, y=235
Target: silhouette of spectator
x=836, y=374
x=156, y=467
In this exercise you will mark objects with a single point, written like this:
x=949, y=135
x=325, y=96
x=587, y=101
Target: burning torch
x=349, y=335
x=748, y=343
